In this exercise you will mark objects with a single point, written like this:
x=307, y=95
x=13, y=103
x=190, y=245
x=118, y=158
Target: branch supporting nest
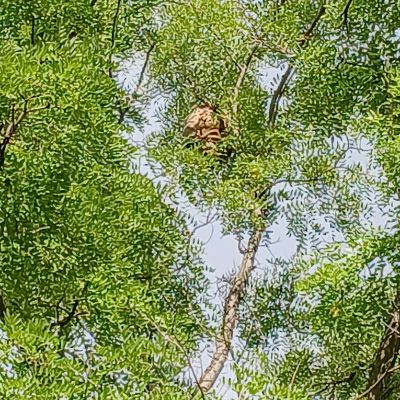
x=230, y=314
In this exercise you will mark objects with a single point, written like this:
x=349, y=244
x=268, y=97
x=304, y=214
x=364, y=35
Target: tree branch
x=345, y=15
x=336, y=383
x=132, y=96
x=230, y=313
x=144, y=67
x=314, y=24
x=276, y=97
x=65, y=321
x=286, y=77
x=176, y=343
x=33, y=30
x=114, y=26
x=2, y=308
x=114, y=34
x=11, y=126
x=239, y=82
x=386, y=357
x=368, y=391
x=210, y=218
x=240, y=281
x=71, y=314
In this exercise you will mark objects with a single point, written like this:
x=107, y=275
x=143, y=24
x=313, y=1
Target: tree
x=95, y=300
x=102, y=287
x=335, y=91
x=338, y=309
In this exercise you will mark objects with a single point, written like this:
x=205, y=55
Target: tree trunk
x=385, y=360
x=230, y=317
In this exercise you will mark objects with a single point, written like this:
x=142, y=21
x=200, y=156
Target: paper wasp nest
x=205, y=125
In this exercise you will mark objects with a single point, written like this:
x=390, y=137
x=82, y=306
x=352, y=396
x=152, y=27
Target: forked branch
x=72, y=313
x=10, y=128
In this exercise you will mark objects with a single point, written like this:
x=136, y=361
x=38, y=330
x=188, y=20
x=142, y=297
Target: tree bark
x=386, y=357
x=2, y=308
x=230, y=314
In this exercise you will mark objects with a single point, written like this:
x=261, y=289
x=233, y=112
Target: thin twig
x=211, y=218
x=144, y=67
x=239, y=82
x=12, y=126
x=348, y=380
x=276, y=97
x=142, y=74
x=389, y=371
x=114, y=26
x=314, y=24
x=286, y=77
x=294, y=376
x=176, y=343
x=345, y=15
x=239, y=239
x=113, y=35
x=33, y=30
x=2, y=308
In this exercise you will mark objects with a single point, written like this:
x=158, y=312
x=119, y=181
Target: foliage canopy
x=103, y=292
